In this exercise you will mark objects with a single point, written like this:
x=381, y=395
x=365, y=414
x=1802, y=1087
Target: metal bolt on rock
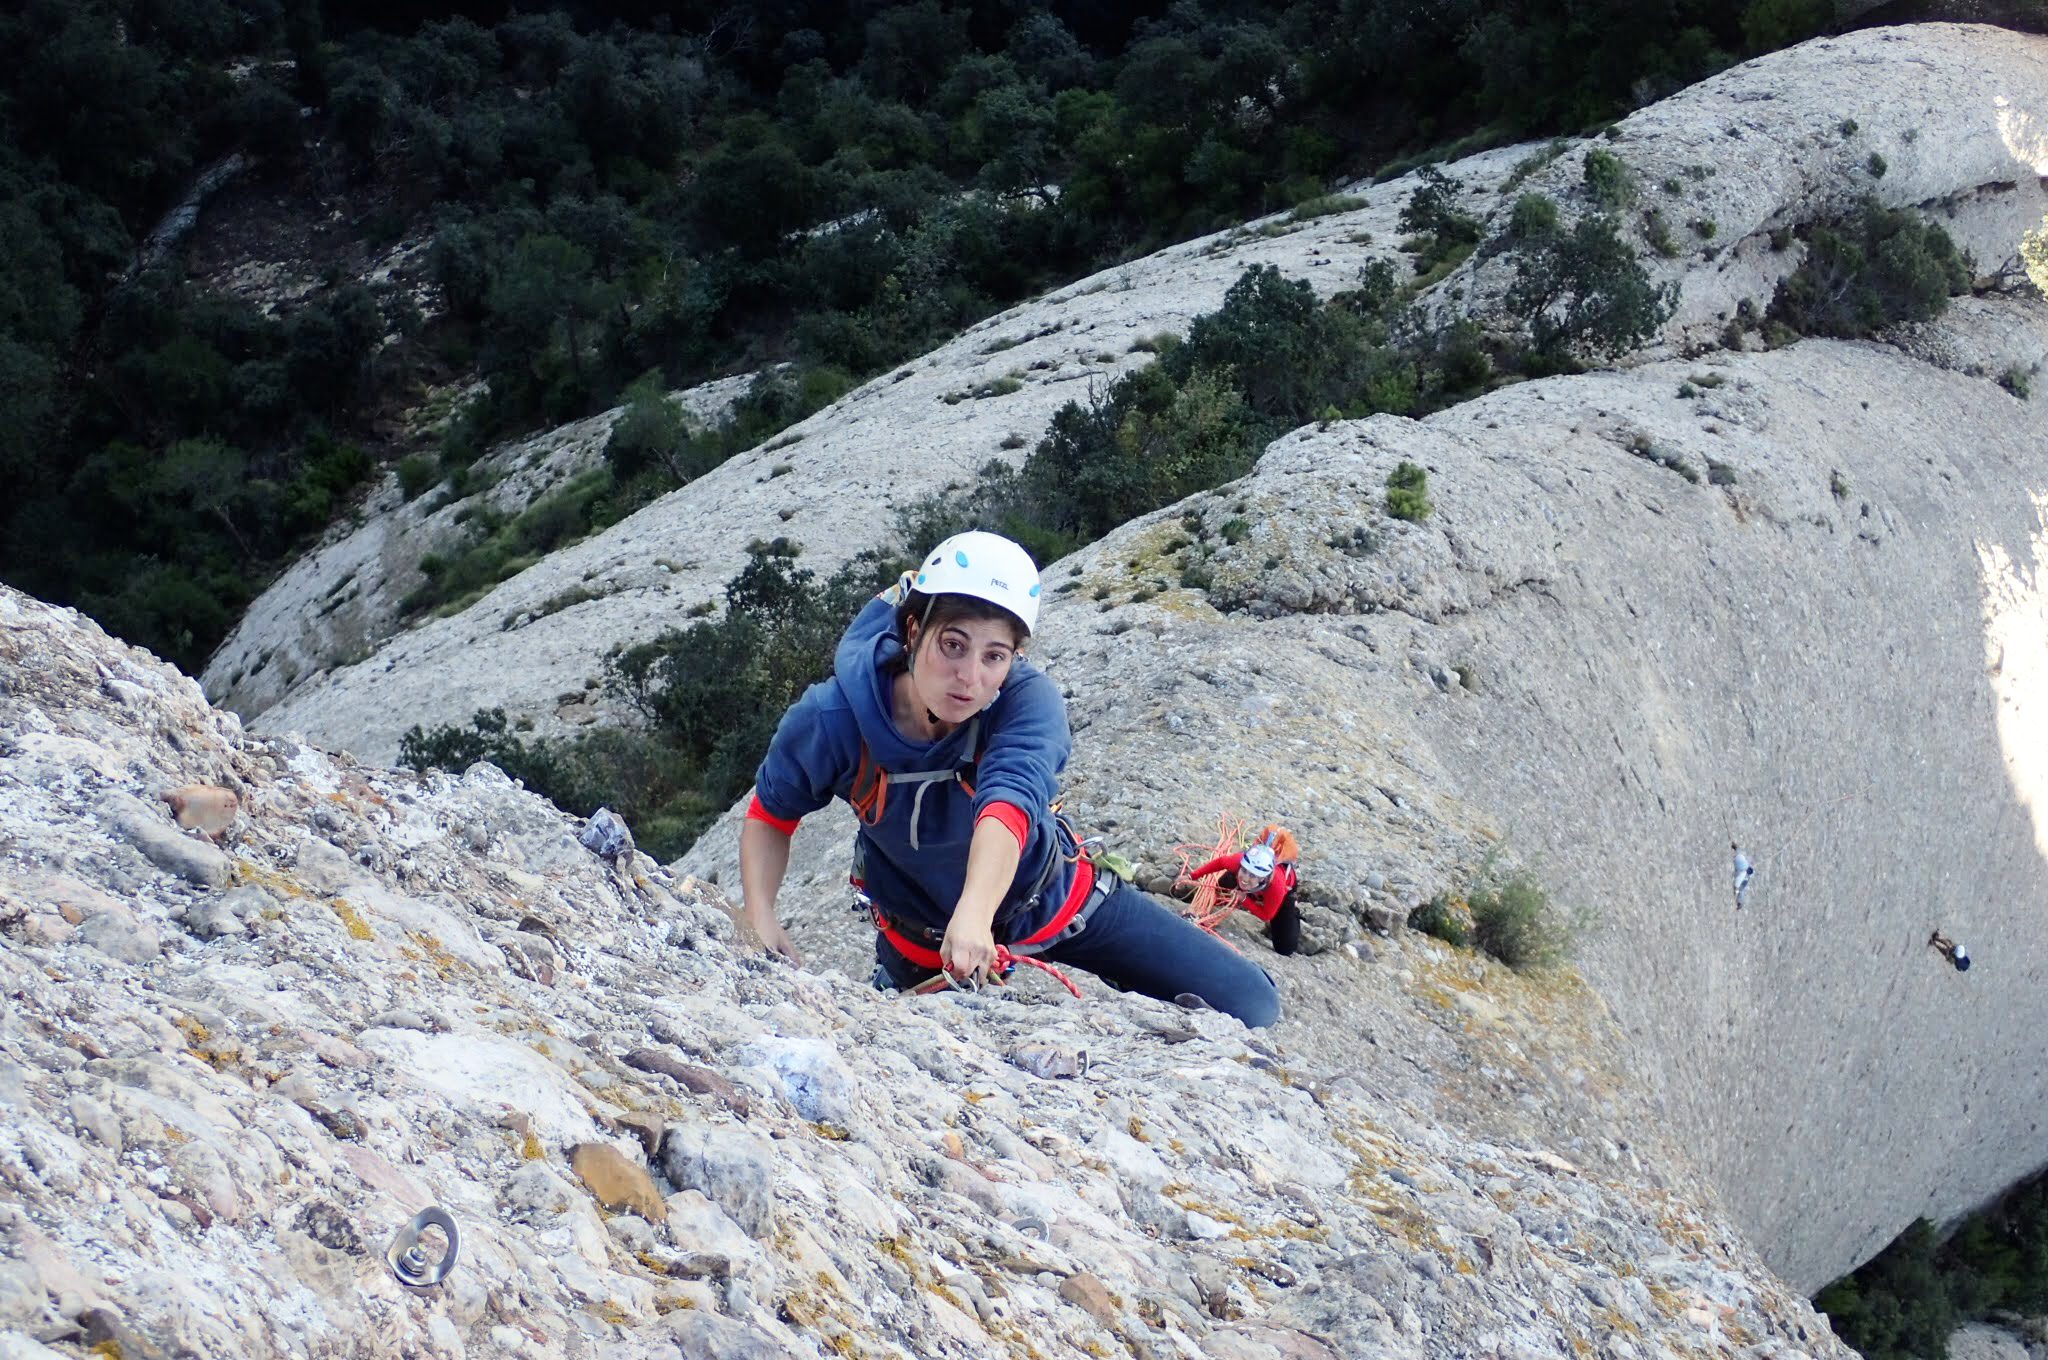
x=410, y=1264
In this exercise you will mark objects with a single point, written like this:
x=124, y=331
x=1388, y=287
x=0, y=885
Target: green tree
x=1287, y=354
x=651, y=432
x=1878, y=267
x=1583, y=293
x=542, y=304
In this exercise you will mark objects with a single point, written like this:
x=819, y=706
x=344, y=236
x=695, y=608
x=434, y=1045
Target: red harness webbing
x=1006, y=957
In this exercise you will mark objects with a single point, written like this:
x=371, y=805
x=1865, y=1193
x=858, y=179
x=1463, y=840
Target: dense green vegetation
x=602, y=197
x=1904, y=1302
x=710, y=696
x=1877, y=267
x=1506, y=913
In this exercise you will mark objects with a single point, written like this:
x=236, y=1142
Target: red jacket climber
x=1267, y=886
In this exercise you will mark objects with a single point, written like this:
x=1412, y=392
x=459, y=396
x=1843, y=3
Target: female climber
x=949, y=745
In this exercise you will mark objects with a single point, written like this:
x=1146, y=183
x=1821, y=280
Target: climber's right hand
x=774, y=936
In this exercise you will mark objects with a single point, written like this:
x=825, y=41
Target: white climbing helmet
x=986, y=566
x=1255, y=869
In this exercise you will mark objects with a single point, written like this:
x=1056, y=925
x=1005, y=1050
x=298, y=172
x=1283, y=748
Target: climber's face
x=960, y=665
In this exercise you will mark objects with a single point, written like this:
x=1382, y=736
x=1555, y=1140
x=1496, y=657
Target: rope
x=1005, y=961
x=1210, y=905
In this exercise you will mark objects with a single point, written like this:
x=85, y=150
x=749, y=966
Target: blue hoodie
x=1023, y=741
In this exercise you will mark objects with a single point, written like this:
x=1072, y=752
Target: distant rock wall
x=341, y=601
x=1835, y=658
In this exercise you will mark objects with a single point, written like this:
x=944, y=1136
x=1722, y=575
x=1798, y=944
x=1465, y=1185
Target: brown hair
x=948, y=609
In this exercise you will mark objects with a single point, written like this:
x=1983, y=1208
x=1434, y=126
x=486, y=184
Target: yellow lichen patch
x=669, y=1303
x=357, y=926
x=975, y=1097
x=249, y=873
x=109, y=1348
x=530, y=1148
x=1136, y=1128
x=826, y=1129
x=444, y=962
x=195, y=1033
x=1665, y=1297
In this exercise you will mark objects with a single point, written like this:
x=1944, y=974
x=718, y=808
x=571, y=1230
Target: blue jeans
x=1136, y=945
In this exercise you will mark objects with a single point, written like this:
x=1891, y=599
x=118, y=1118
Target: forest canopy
x=583, y=196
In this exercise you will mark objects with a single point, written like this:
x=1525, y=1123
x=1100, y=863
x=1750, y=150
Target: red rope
x=1005, y=961
x=1211, y=905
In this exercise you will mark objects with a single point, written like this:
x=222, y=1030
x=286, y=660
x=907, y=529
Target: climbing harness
x=410, y=1264
x=1094, y=883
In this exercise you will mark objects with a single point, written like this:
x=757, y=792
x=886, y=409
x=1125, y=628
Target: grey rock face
x=205, y=1151
x=733, y=1167
x=150, y=830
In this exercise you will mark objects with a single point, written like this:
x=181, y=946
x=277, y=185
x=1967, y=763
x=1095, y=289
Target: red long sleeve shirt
x=1264, y=904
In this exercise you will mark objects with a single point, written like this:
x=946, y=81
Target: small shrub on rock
x=1514, y=920
x=1534, y=218
x=1408, y=493
x=1610, y=182
x=417, y=474
x=1879, y=267
x=1432, y=217
x=1446, y=918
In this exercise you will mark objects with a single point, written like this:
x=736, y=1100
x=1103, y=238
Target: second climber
x=1266, y=881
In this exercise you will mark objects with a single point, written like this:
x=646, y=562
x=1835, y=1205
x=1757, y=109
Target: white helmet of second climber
x=1255, y=869
x=986, y=566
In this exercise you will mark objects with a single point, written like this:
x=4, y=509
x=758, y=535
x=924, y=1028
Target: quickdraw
x=1005, y=963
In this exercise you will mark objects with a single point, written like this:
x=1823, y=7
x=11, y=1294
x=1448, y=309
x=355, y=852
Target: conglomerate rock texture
x=229, y=1072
